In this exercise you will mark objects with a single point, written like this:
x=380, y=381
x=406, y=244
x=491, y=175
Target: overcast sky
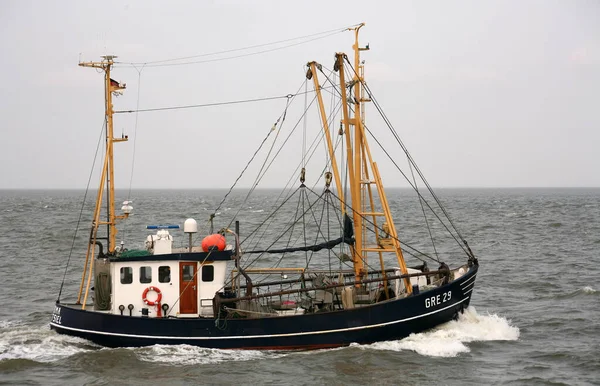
x=483, y=93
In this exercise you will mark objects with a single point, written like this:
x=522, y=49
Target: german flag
x=116, y=86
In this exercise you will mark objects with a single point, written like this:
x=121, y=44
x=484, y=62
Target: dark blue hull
x=390, y=320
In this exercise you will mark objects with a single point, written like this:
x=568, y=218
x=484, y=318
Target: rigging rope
x=312, y=149
x=137, y=106
x=81, y=210
x=416, y=190
x=424, y=214
x=397, y=137
x=206, y=104
x=265, y=220
x=243, y=170
x=282, y=116
x=255, y=183
x=164, y=63
x=259, y=177
x=395, y=134
x=293, y=176
x=244, y=48
x=365, y=218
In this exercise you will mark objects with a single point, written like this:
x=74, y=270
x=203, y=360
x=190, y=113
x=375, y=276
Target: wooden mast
x=106, y=177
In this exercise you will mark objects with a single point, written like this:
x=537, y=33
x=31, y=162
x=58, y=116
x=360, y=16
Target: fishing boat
x=338, y=271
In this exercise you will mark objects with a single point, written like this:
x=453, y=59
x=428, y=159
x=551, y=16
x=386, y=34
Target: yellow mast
x=331, y=149
x=356, y=182
x=107, y=177
x=359, y=162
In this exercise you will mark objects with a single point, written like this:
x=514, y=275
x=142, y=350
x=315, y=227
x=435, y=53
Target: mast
x=338, y=181
x=106, y=178
x=363, y=174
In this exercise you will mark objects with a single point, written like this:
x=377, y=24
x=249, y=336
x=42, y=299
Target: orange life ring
x=158, y=299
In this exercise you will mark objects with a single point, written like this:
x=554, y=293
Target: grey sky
x=483, y=93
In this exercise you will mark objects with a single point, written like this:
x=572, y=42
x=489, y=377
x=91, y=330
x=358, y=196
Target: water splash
x=448, y=340
x=39, y=344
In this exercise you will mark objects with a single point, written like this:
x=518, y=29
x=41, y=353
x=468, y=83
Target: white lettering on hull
x=438, y=299
x=56, y=318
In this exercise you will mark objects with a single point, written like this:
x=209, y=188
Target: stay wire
x=206, y=104
x=255, y=183
x=424, y=214
x=413, y=186
x=304, y=122
x=212, y=104
x=265, y=220
x=291, y=234
x=235, y=56
x=319, y=225
x=289, y=97
x=312, y=150
x=381, y=229
x=242, y=48
x=303, y=198
x=417, y=191
x=81, y=210
x=243, y=171
x=288, y=186
x=287, y=229
x=395, y=134
x=137, y=106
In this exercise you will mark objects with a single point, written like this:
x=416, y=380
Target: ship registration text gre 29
x=437, y=300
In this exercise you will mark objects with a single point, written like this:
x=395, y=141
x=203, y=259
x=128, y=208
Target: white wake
x=449, y=339
x=185, y=355
x=18, y=341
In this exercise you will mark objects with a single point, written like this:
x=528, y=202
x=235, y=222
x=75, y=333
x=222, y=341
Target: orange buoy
x=214, y=241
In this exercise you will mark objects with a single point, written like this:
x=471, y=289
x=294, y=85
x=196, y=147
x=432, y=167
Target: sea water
x=534, y=315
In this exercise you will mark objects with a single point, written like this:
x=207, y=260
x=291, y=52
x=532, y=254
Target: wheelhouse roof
x=189, y=256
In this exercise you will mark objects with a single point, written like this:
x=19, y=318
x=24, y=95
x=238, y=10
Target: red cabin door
x=188, y=288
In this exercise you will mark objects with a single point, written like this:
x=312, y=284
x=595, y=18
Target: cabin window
x=164, y=274
x=188, y=272
x=208, y=273
x=145, y=274
x=126, y=275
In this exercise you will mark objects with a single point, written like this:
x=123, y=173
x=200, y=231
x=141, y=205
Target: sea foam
x=449, y=339
x=38, y=343
x=185, y=355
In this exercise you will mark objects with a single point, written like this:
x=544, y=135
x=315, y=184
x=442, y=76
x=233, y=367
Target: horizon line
x=275, y=188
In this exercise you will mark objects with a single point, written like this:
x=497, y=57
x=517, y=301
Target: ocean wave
x=185, y=355
x=448, y=340
x=587, y=290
